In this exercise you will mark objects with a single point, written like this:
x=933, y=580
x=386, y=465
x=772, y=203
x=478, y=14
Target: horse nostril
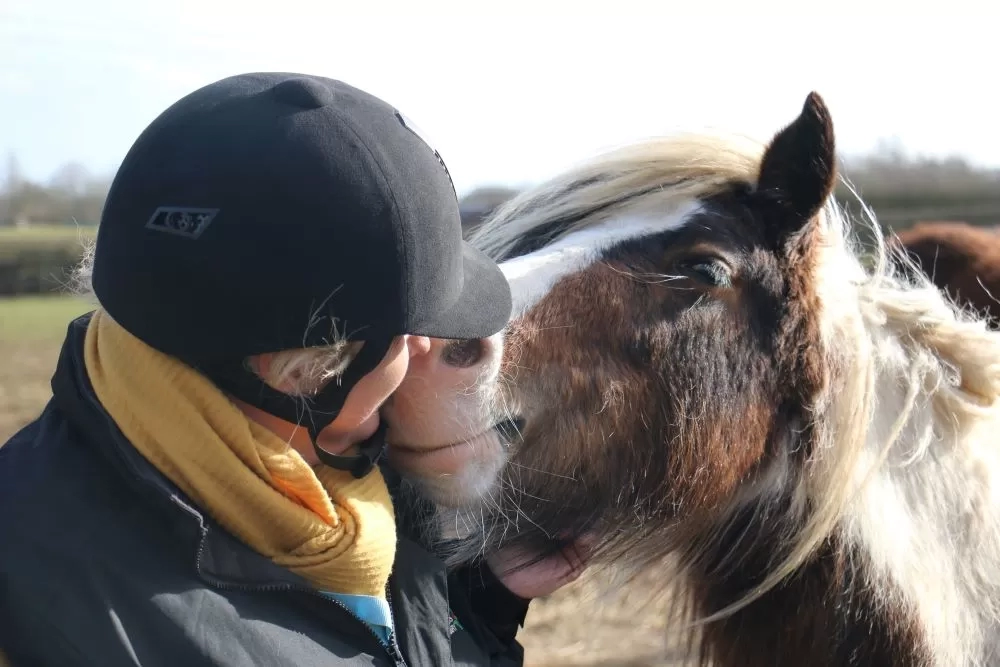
x=463, y=353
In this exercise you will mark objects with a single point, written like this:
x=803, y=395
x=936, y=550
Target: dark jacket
x=103, y=561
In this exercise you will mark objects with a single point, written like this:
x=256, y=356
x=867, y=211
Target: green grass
x=38, y=318
x=31, y=332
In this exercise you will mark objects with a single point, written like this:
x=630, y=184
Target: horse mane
x=911, y=376
x=652, y=173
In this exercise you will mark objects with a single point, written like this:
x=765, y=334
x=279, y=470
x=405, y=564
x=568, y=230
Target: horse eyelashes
x=712, y=272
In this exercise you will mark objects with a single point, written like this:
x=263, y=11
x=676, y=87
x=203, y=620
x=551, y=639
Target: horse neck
x=910, y=575
x=925, y=518
x=827, y=615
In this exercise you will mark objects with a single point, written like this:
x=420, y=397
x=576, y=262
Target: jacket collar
x=220, y=556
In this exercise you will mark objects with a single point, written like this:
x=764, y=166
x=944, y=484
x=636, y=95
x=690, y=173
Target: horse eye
x=713, y=272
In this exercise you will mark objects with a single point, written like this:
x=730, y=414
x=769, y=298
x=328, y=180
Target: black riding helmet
x=274, y=211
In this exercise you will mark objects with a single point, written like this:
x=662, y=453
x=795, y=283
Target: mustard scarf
x=336, y=531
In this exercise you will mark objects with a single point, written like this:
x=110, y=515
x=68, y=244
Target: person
x=207, y=484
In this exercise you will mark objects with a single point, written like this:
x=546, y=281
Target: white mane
x=906, y=468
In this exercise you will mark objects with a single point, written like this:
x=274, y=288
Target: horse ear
x=798, y=171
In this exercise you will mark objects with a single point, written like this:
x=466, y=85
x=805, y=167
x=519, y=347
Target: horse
x=961, y=259
x=703, y=371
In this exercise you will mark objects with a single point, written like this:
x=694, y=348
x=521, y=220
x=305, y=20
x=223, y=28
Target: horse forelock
x=649, y=174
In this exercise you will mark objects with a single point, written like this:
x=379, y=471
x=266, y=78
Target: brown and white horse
x=961, y=259
x=702, y=369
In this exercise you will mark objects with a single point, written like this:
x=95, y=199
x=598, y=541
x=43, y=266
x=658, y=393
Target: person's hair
x=304, y=372
x=299, y=372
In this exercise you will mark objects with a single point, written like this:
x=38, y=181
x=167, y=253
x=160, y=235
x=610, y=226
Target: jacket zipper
x=391, y=649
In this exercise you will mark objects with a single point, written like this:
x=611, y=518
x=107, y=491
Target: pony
x=704, y=374
x=961, y=259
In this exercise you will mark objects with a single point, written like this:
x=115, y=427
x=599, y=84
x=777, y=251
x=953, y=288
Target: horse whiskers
x=645, y=278
x=541, y=471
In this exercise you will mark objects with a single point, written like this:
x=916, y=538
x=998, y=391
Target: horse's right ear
x=798, y=171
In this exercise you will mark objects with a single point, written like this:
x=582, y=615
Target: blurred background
x=509, y=93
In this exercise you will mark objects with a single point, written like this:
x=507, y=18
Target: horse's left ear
x=798, y=171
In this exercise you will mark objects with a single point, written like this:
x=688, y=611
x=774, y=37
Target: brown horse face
x=661, y=364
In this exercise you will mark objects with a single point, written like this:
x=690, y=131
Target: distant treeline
x=899, y=187
x=903, y=190
x=72, y=196
x=42, y=223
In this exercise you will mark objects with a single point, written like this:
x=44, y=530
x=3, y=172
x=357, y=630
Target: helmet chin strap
x=371, y=451
x=316, y=412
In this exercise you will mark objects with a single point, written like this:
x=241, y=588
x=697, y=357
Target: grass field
x=578, y=627
x=38, y=318
x=31, y=330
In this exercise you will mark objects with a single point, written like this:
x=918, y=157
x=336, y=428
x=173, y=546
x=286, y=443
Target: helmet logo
x=183, y=221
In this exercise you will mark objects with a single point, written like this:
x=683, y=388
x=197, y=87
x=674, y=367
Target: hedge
x=40, y=259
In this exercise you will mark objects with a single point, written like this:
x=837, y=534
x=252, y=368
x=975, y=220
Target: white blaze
x=532, y=276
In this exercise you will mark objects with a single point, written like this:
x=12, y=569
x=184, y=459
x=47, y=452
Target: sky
x=511, y=92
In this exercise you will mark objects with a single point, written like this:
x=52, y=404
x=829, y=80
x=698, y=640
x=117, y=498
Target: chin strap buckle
x=371, y=452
